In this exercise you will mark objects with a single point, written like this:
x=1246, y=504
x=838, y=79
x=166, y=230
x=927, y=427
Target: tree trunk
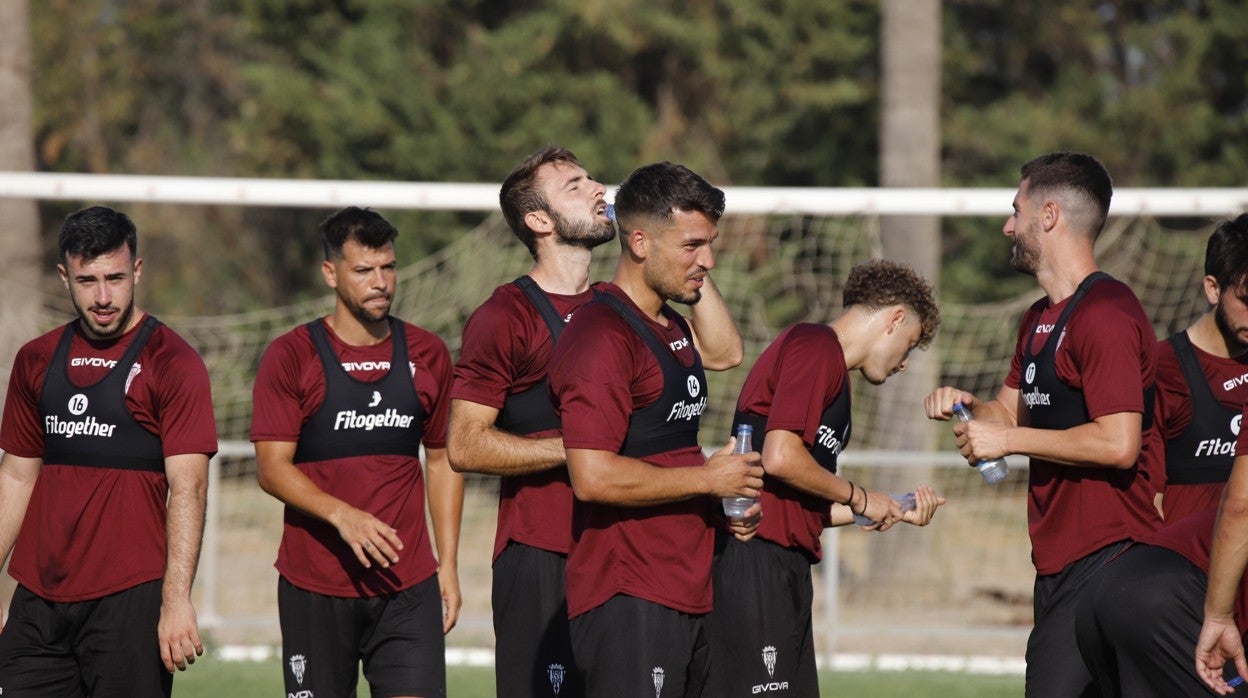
x=909, y=157
x=19, y=235
x=19, y=232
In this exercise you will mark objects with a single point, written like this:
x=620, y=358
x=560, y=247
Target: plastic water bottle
x=611, y=212
x=905, y=500
x=993, y=471
x=735, y=507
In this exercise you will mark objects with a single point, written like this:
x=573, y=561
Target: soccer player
x=630, y=390
x=107, y=432
x=503, y=424
x=1138, y=622
x=797, y=398
x=1221, y=634
x=342, y=405
x=1202, y=380
x=1077, y=402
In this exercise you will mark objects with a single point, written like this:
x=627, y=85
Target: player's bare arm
x=1219, y=639
x=606, y=477
x=17, y=481
x=786, y=457
x=371, y=539
x=178, y=629
x=445, y=490
x=474, y=445
x=714, y=333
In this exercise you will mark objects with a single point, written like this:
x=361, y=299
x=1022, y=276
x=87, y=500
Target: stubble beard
x=99, y=332
x=672, y=292
x=584, y=235
x=1230, y=335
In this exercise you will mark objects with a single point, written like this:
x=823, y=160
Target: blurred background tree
x=778, y=93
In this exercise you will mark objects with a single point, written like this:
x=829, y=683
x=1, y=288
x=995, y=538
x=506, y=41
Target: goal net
x=960, y=586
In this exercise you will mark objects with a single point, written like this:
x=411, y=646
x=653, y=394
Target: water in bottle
x=735, y=507
x=993, y=471
x=906, y=501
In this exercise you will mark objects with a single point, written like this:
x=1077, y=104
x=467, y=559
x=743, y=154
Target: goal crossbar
x=453, y=196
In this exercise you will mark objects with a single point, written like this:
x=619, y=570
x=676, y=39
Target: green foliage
x=777, y=93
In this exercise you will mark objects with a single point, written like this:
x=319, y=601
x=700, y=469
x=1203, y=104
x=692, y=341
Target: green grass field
x=212, y=678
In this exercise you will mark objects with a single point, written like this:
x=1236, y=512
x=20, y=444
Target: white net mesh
x=969, y=569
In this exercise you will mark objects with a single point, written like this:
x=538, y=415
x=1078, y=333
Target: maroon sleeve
x=279, y=402
x=180, y=396
x=1174, y=404
x=433, y=382
x=22, y=431
x=493, y=340
x=1109, y=351
x=810, y=370
x=594, y=368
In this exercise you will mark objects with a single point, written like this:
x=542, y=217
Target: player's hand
x=980, y=440
x=452, y=601
x=939, y=403
x=880, y=508
x=733, y=475
x=744, y=529
x=926, y=501
x=178, y=633
x=1219, y=641
x=370, y=538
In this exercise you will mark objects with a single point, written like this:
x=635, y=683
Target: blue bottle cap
x=611, y=212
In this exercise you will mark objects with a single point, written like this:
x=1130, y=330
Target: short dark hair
x=660, y=189
x=1226, y=254
x=363, y=225
x=94, y=231
x=520, y=194
x=880, y=283
x=1077, y=174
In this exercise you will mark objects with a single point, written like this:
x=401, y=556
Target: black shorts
x=632, y=647
x=1138, y=622
x=762, y=640
x=102, y=647
x=533, y=650
x=1054, y=666
x=397, y=636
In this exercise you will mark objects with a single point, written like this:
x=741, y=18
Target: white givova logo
x=298, y=665
x=376, y=399
x=554, y=672
x=1030, y=375
x=1235, y=424
x=656, y=675
x=769, y=659
x=78, y=404
x=694, y=386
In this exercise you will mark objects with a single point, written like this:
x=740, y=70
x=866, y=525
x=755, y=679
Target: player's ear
x=896, y=316
x=539, y=222
x=330, y=274
x=1213, y=292
x=639, y=243
x=138, y=269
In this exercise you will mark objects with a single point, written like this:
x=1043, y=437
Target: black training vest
x=670, y=422
x=1051, y=404
x=835, y=426
x=91, y=426
x=361, y=418
x=1204, y=452
x=531, y=411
